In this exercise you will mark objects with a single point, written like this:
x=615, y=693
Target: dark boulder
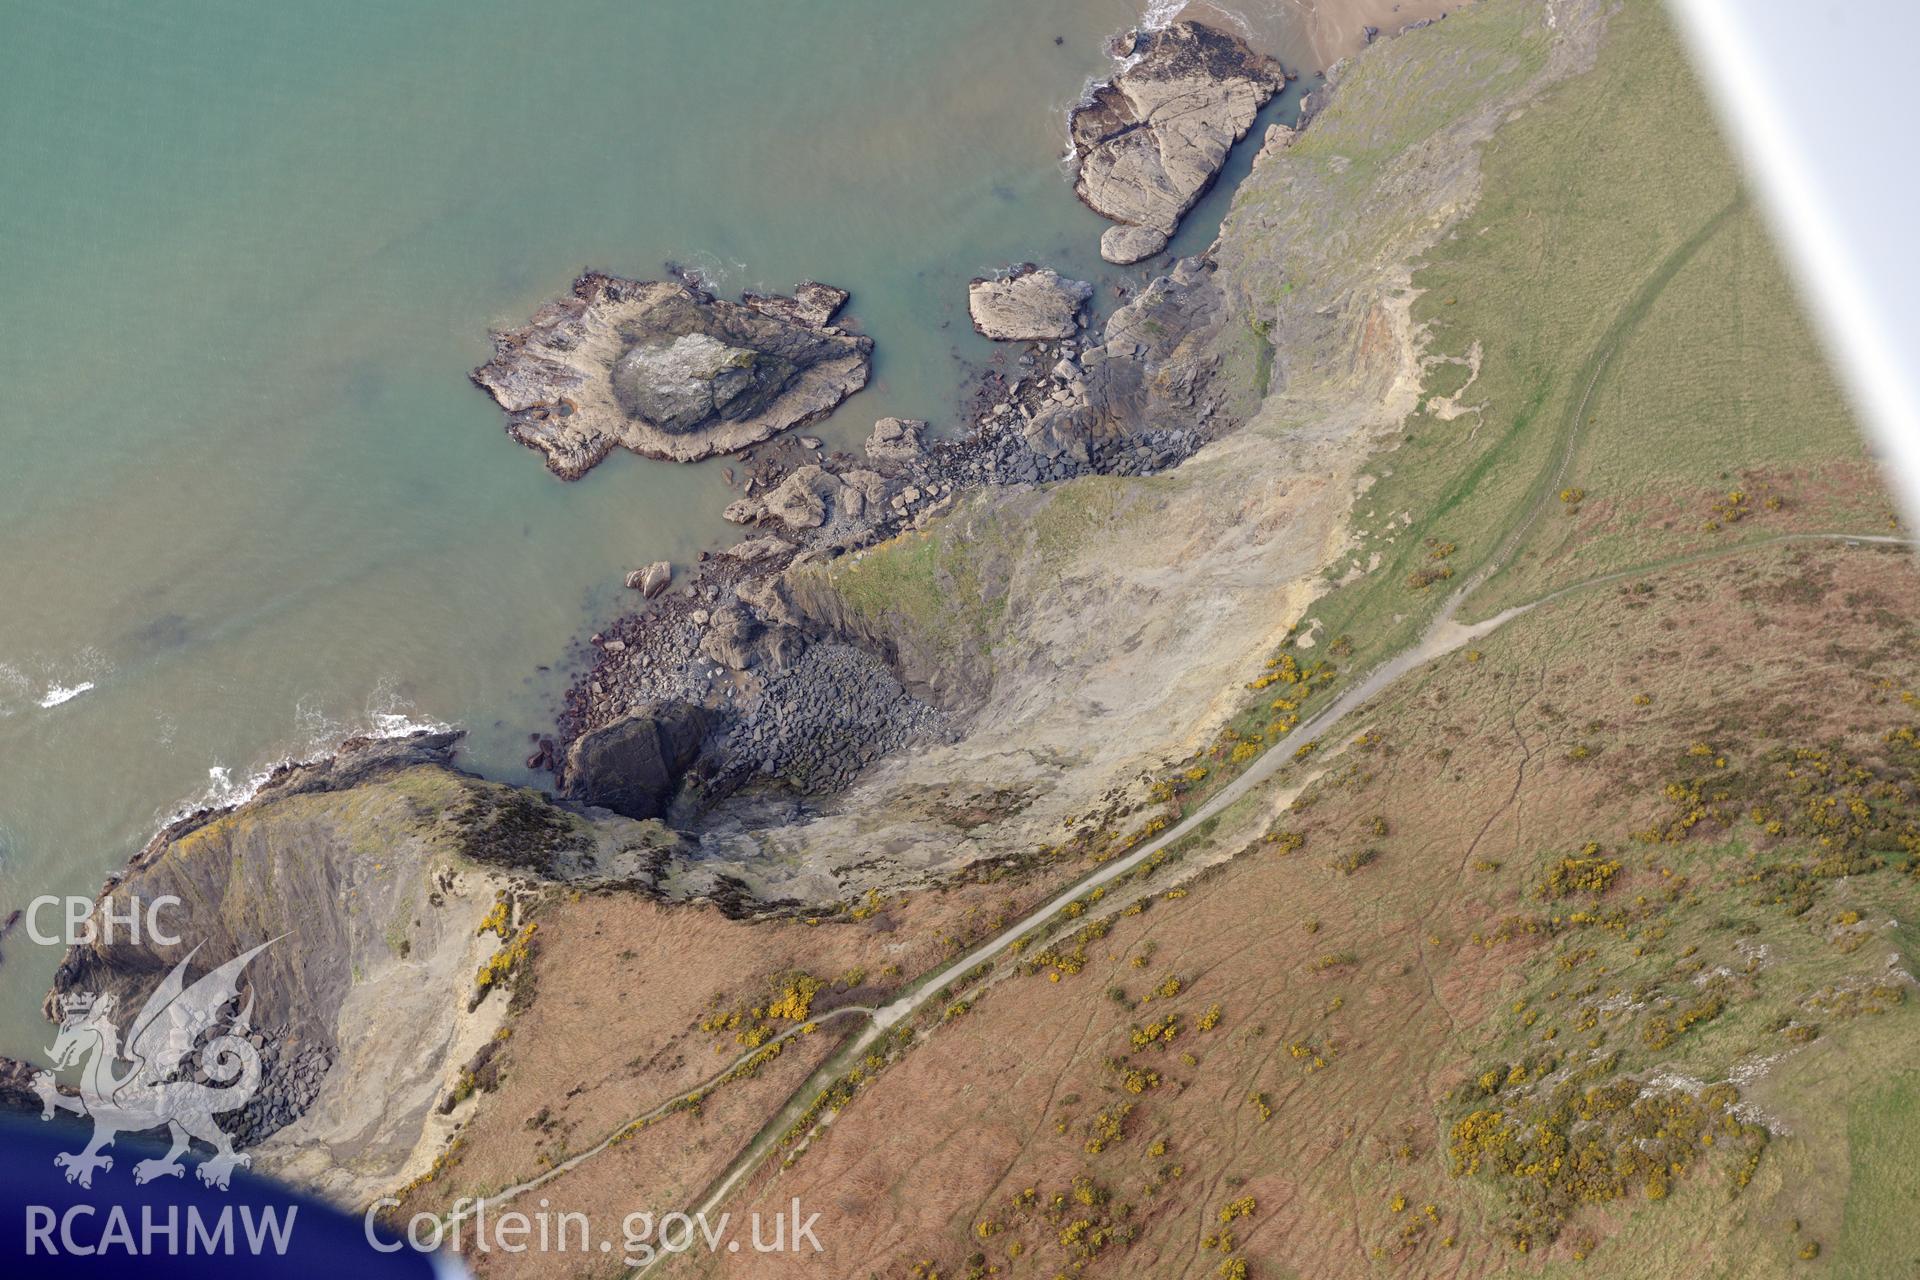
x=634, y=766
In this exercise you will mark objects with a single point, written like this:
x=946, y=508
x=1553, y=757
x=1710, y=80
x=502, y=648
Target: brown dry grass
x=1470, y=767
x=620, y=985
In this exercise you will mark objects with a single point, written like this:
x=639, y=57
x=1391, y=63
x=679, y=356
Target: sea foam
x=387, y=716
x=1160, y=14
x=60, y=693
x=13, y=684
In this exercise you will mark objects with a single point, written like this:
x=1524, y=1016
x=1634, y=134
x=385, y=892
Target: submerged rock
x=1152, y=140
x=669, y=371
x=1030, y=304
x=652, y=580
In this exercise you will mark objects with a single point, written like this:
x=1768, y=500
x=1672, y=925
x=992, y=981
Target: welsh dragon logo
x=138, y=1085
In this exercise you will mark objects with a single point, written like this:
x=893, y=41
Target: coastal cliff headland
x=1226, y=804
x=946, y=593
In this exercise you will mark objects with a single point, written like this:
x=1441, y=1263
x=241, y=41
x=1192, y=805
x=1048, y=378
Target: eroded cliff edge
x=371, y=874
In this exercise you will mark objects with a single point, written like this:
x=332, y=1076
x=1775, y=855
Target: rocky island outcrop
x=667, y=370
x=1151, y=141
x=1028, y=304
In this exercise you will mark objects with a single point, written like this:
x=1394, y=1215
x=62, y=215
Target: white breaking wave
x=1240, y=22
x=317, y=729
x=89, y=662
x=387, y=716
x=1160, y=14
x=391, y=714
x=222, y=791
x=718, y=274
x=397, y=724
x=63, y=693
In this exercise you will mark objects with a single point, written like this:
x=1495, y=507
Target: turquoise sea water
x=248, y=254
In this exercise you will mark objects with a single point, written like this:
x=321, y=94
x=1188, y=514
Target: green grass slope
x=1613, y=351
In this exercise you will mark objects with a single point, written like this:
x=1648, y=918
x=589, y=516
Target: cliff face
x=370, y=874
x=342, y=857
x=929, y=603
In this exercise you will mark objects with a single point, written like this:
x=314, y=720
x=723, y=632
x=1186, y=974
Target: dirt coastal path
x=453, y=1220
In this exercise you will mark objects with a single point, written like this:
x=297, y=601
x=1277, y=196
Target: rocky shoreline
x=735, y=674
x=788, y=694
x=774, y=686
x=784, y=691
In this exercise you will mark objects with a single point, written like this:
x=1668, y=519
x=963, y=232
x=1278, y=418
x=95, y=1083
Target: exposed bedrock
x=1157, y=366
x=1124, y=245
x=1028, y=304
x=668, y=371
x=634, y=766
x=1153, y=139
